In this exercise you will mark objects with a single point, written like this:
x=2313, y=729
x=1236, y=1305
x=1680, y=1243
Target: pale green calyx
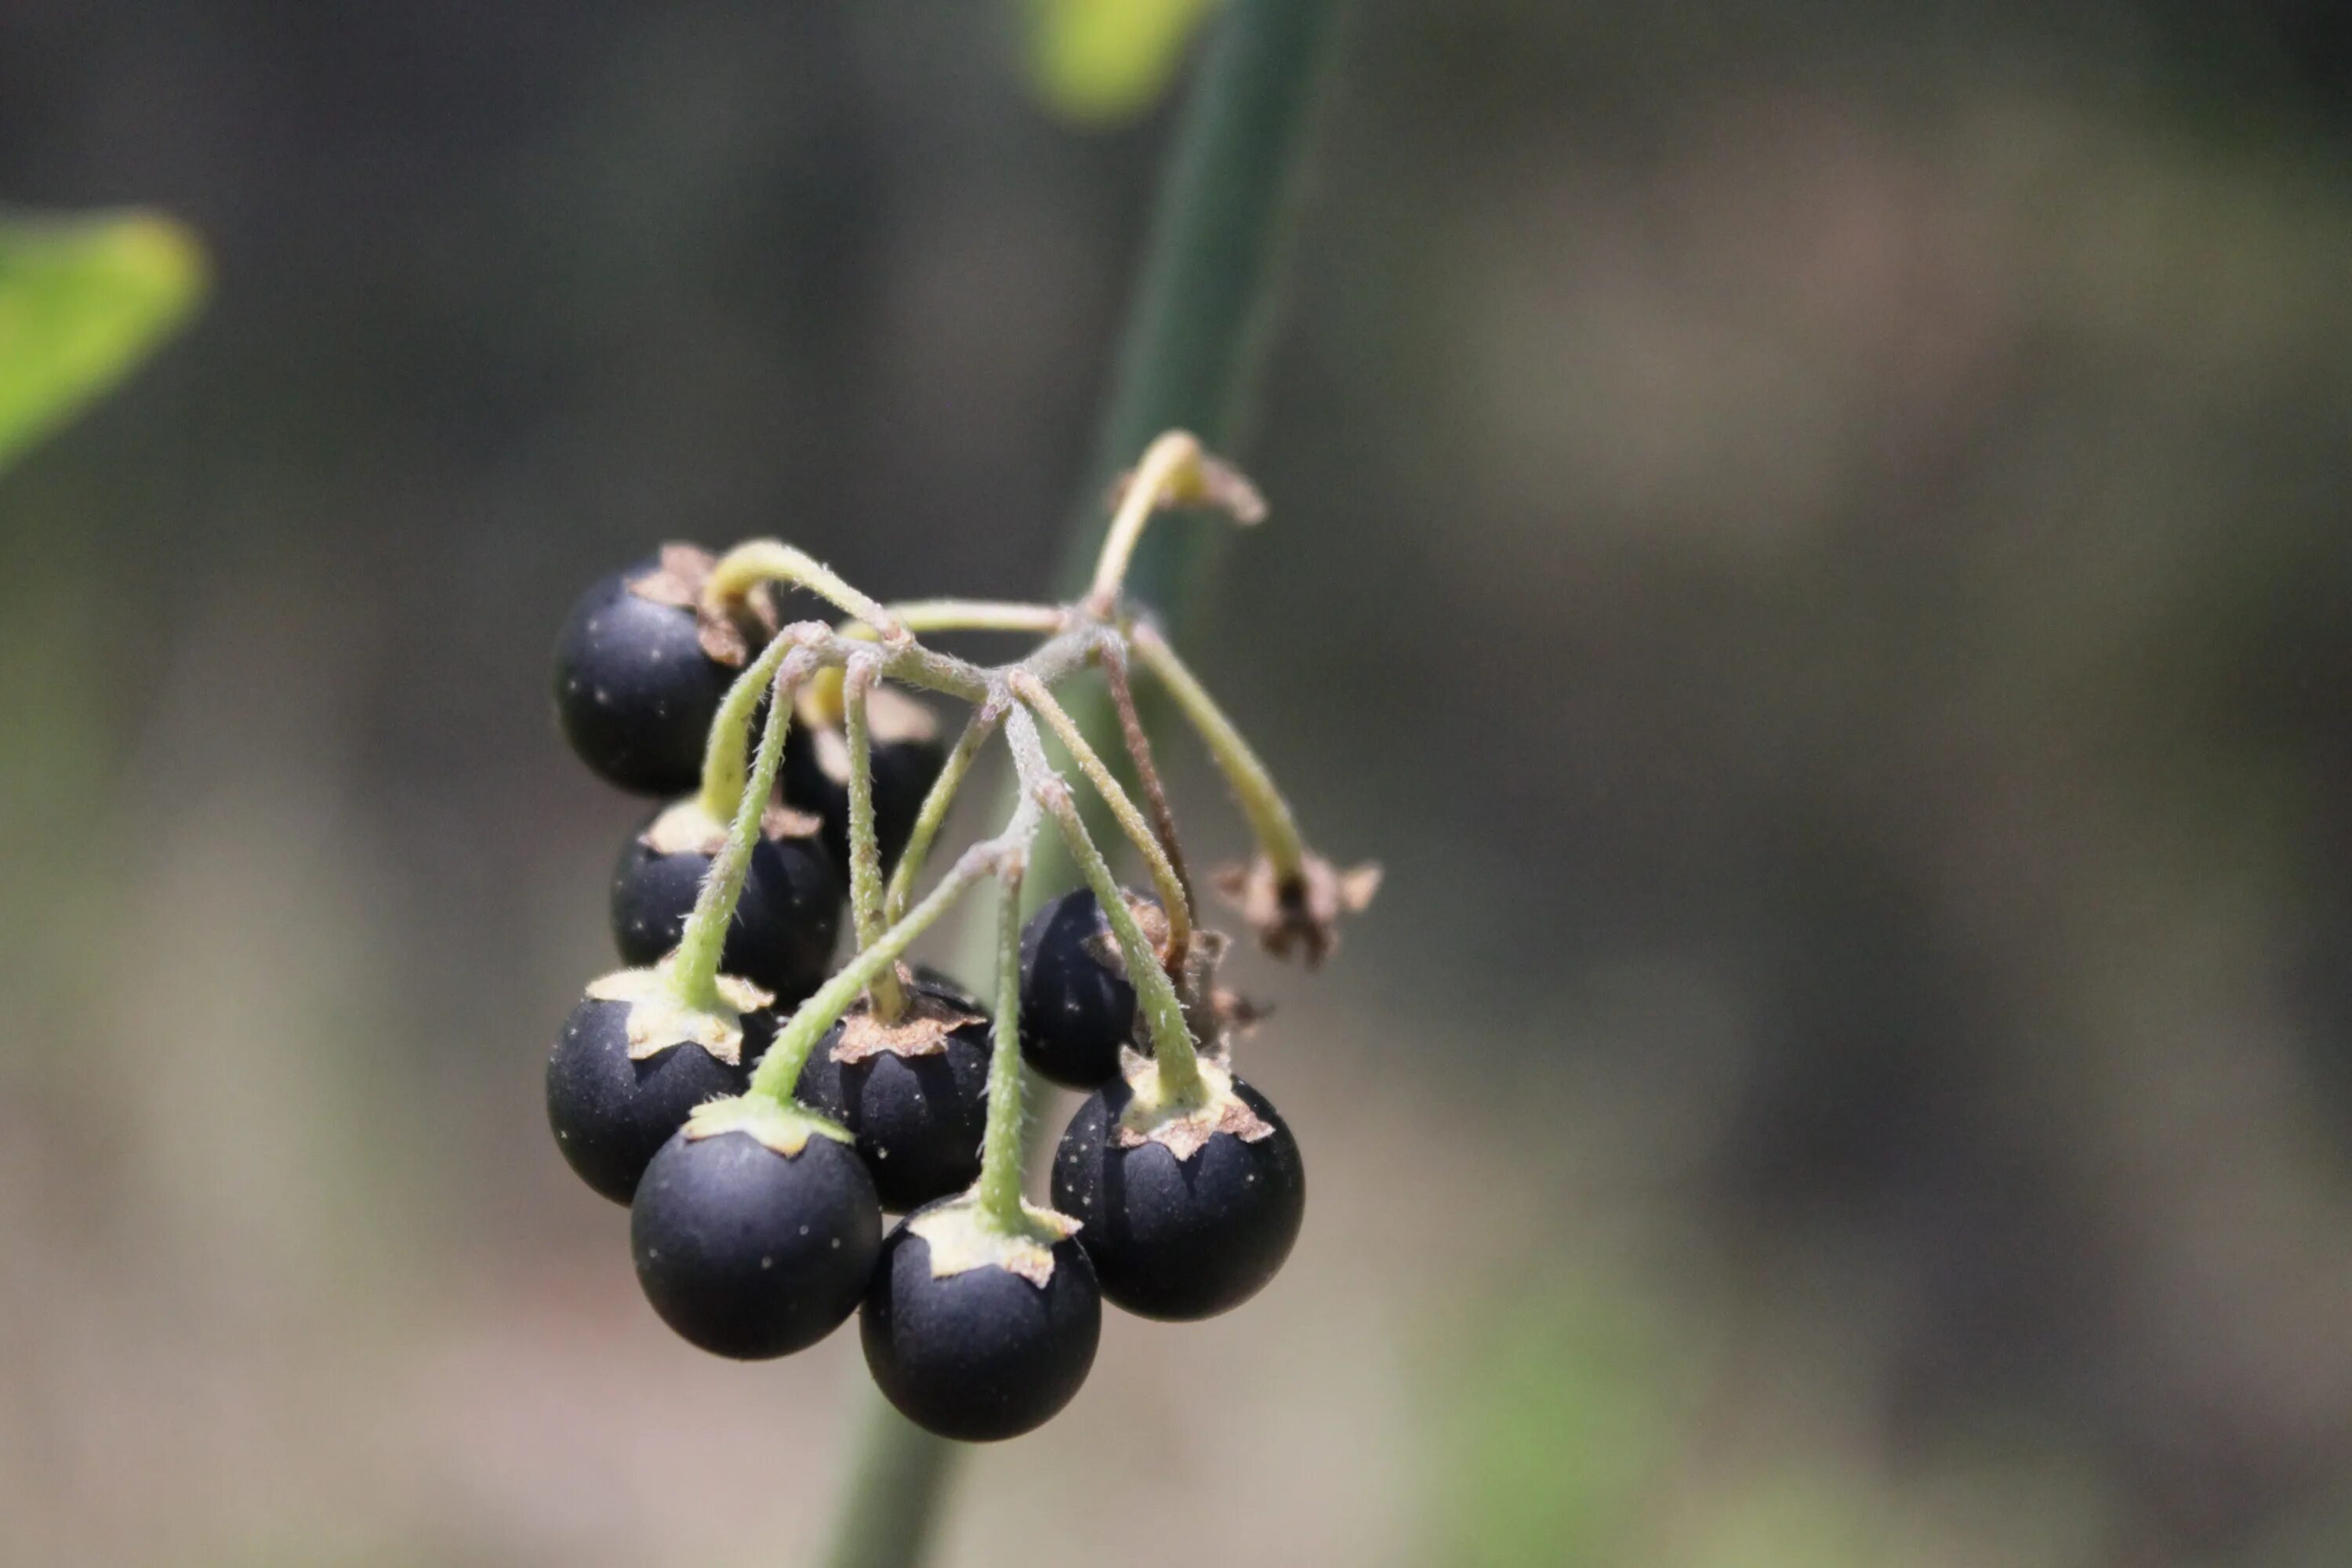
x=962, y=1237
x=1184, y=1125
x=786, y=1129
x=658, y=1020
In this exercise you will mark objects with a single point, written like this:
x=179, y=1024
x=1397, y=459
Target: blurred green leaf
x=1562, y=1419
x=82, y=300
x=1103, y=61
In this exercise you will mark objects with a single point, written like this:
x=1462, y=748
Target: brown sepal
x=1303, y=910
x=922, y=1031
x=728, y=632
x=1185, y=1136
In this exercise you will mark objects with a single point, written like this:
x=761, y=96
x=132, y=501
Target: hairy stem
x=1139, y=753
x=1164, y=880
x=865, y=848
x=1270, y=820
x=984, y=720
x=1001, y=1148
x=1163, y=1011
x=694, y=967
x=727, y=755
x=1147, y=492
x=978, y=615
x=780, y=1069
x=1155, y=993
x=758, y=560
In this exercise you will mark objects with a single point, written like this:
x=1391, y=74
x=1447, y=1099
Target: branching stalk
x=1270, y=820
x=1113, y=655
x=759, y=561
x=984, y=720
x=1164, y=880
x=865, y=845
x=780, y=1069
x=1155, y=993
x=978, y=615
x=1147, y=492
x=1001, y=1150
x=694, y=967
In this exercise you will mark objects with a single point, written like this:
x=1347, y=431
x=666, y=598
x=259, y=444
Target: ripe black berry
x=1180, y=1238
x=1076, y=1006
x=785, y=922
x=750, y=1252
x=633, y=690
x=983, y=1353
x=611, y=1114
x=915, y=1094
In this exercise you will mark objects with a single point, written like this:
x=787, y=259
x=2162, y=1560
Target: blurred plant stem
x=1191, y=349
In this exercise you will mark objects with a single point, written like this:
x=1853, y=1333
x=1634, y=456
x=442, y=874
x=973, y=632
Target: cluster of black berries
x=758, y=1110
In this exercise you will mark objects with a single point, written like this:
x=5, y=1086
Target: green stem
x=780, y=1069
x=1270, y=820
x=1169, y=456
x=890, y=1496
x=1164, y=880
x=727, y=753
x=694, y=967
x=865, y=847
x=1139, y=756
x=758, y=560
x=978, y=615
x=984, y=720
x=1155, y=993
x=1000, y=1147
x=1186, y=360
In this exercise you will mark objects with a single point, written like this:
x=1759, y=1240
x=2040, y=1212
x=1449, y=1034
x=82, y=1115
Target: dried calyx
x=729, y=630
x=963, y=1237
x=1300, y=911
x=1184, y=1125
x=786, y=1129
x=659, y=1019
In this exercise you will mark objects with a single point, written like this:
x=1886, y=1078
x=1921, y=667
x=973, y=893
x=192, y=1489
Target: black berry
x=750, y=1252
x=612, y=1114
x=785, y=923
x=633, y=690
x=1076, y=1006
x=1180, y=1238
x=982, y=1354
x=918, y=1119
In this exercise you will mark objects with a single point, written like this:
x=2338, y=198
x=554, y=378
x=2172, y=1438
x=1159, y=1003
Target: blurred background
x=1810, y=538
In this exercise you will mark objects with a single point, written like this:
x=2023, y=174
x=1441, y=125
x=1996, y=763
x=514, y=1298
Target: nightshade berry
x=1078, y=1008
x=983, y=1353
x=1181, y=1239
x=915, y=1094
x=634, y=691
x=610, y=1113
x=785, y=922
x=750, y=1252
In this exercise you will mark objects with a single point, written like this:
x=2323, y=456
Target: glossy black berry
x=633, y=690
x=1076, y=1006
x=982, y=1354
x=918, y=1119
x=1180, y=1240
x=785, y=923
x=748, y=1253
x=611, y=1114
